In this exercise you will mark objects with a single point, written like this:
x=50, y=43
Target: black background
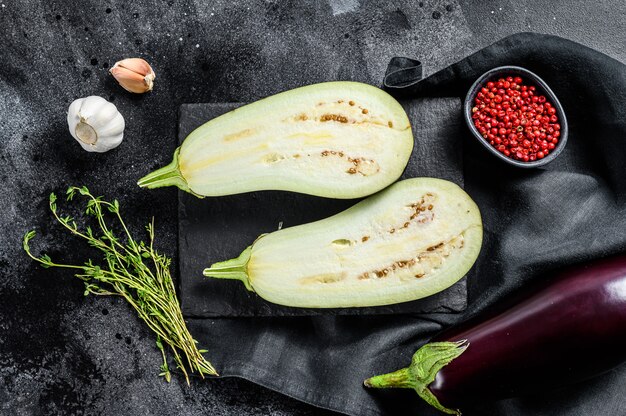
x=63, y=354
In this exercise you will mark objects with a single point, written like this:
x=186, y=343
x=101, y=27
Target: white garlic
x=95, y=123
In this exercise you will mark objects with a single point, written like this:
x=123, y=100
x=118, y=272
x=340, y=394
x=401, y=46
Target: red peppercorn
x=516, y=119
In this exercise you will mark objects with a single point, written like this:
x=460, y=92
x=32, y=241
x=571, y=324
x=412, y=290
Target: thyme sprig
x=134, y=271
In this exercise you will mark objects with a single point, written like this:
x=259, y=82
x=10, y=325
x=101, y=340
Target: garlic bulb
x=134, y=75
x=96, y=124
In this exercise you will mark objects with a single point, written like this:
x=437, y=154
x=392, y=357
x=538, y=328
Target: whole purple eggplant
x=570, y=329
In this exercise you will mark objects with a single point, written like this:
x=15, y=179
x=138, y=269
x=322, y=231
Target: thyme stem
x=135, y=271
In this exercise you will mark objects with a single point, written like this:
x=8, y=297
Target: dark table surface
x=62, y=353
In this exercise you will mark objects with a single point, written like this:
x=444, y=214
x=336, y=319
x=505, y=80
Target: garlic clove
x=113, y=128
x=90, y=108
x=95, y=123
x=131, y=81
x=134, y=75
x=137, y=65
x=105, y=114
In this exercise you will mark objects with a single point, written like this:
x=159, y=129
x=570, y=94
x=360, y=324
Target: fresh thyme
x=136, y=272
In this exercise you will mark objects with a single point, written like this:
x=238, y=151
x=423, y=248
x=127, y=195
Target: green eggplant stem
x=426, y=363
x=236, y=268
x=169, y=175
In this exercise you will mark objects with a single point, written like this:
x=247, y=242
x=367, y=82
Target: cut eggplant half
x=414, y=239
x=335, y=139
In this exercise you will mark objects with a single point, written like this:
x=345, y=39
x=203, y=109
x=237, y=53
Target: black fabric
x=402, y=72
x=215, y=229
x=535, y=221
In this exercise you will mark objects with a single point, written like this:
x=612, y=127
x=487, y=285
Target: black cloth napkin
x=536, y=221
x=215, y=229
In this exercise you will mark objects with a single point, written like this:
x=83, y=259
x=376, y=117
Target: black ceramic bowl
x=542, y=88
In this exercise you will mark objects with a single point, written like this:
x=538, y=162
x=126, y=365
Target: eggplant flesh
x=334, y=139
x=411, y=240
x=562, y=332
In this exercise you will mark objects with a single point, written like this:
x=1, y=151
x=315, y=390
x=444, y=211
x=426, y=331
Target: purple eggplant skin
x=567, y=330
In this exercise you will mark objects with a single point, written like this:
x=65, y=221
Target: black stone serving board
x=215, y=229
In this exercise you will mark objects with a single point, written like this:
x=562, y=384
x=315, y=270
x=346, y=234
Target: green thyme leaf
x=134, y=271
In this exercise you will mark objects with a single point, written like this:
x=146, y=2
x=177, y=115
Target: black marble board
x=216, y=229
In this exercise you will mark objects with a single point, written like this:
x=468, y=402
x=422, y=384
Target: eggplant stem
x=236, y=268
x=169, y=175
x=426, y=363
x=400, y=379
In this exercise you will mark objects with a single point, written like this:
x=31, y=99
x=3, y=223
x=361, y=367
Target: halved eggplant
x=335, y=139
x=414, y=239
